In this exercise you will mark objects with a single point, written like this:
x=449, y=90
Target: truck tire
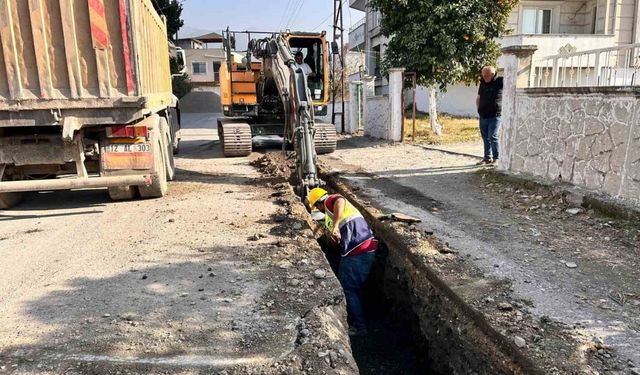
x=169, y=160
x=174, y=129
x=326, y=139
x=8, y=200
x=159, y=184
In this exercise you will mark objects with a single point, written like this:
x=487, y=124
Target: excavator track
x=326, y=138
x=236, y=139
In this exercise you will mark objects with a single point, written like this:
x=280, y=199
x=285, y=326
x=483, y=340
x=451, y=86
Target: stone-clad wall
x=589, y=137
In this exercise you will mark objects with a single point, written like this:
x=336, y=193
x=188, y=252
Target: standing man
x=357, y=249
x=489, y=104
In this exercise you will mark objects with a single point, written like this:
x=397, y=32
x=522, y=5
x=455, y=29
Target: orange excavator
x=264, y=91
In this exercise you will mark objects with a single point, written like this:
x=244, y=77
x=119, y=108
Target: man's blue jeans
x=353, y=272
x=489, y=130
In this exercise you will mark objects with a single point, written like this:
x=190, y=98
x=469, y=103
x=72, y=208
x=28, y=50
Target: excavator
x=264, y=91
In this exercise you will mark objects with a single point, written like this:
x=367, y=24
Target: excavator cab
x=314, y=50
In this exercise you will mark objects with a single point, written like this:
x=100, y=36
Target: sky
x=263, y=15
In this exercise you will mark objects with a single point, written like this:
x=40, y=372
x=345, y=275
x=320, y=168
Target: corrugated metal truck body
x=68, y=70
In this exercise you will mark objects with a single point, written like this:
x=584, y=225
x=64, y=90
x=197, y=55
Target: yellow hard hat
x=315, y=195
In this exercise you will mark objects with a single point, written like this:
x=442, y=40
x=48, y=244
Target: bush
x=181, y=85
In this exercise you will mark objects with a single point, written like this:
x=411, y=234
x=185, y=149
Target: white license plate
x=135, y=147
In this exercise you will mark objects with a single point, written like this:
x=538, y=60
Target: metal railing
x=615, y=66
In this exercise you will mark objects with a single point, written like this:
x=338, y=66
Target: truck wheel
x=174, y=129
x=8, y=200
x=159, y=185
x=169, y=160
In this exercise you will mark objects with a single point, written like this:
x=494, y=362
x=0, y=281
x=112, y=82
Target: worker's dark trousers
x=353, y=272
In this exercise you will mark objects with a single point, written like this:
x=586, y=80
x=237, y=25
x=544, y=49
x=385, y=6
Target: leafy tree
x=172, y=9
x=181, y=83
x=444, y=41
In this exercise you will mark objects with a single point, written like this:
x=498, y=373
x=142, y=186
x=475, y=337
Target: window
x=216, y=71
x=199, y=68
x=536, y=21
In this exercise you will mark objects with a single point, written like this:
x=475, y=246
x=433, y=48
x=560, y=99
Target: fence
x=615, y=66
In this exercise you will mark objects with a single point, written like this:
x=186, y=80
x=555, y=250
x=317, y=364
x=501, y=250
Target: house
x=204, y=56
x=576, y=25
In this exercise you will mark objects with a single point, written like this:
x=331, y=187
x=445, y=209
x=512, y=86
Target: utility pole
x=338, y=35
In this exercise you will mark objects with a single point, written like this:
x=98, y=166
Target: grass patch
x=454, y=129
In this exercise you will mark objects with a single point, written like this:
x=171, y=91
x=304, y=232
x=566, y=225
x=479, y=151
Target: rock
x=520, y=342
x=297, y=226
x=285, y=264
x=255, y=237
x=184, y=295
x=200, y=289
x=571, y=265
x=172, y=220
x=279, y=218
x=212, y=274
x=305, y=332
x=574, y=211
x=320, y=274
x=504, y=306
x=294, y=282
x=488, y=300
x=106, y=315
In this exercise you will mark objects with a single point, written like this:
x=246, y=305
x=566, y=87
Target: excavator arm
x=299, y=128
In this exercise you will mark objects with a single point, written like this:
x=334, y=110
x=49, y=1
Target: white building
x=548, y=24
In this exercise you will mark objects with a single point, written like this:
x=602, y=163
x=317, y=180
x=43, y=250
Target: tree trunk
x=433, y=111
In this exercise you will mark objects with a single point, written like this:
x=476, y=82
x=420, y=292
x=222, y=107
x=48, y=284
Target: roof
x=209, y=38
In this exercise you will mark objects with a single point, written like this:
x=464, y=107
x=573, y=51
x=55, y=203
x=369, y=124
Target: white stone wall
x=376, y=118
x=590, y=139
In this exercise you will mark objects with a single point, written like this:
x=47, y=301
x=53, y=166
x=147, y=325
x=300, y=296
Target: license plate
x=120, y=156
x=135, y=147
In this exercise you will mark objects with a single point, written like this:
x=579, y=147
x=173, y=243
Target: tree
x=181, y=83
x=172, y=9
x=444, y=41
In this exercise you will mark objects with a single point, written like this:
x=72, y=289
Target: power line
x=326, y=19
x=284, y=14
x=295, y=13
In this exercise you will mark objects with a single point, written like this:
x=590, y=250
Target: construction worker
x=306, y=69
x=358, y=246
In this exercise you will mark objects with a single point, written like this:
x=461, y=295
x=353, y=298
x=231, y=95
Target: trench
x=392, y=345
x=417, y=324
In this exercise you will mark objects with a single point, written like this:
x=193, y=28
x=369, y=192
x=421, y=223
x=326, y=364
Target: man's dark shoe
x=484, y=162
x=494, y=162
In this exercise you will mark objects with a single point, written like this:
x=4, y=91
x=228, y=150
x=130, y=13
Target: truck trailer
x=85, y=98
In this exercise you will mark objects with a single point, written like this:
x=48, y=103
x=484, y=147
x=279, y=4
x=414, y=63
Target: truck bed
x=81, y=55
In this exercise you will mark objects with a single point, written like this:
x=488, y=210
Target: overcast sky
x=263, y=15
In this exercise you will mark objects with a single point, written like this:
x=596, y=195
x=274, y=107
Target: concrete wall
x=589, y=137
x=459, y=100
x=377, y=117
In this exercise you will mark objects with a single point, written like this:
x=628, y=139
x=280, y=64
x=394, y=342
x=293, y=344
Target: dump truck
x=85, y=98
x=253, y=102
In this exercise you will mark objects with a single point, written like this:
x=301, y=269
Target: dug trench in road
x=220, y=274
x=418, y=321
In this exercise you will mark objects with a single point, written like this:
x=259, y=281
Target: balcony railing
x=358, y=24
x=615, y=66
